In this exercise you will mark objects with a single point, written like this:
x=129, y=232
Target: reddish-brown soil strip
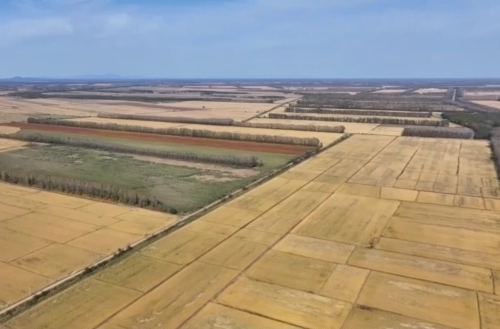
x=195, y=141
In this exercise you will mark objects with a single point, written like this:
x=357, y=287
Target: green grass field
x=180, y=187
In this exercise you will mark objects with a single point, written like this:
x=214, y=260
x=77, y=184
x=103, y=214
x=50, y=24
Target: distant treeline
x=202, y=121
x=186, y=132
x=285, y=126
x=125, y=97
x=91, y=189
x=228, y=160
x=379, y=120
x=414, y=114
x=439, y=132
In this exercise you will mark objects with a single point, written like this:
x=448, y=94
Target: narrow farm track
x=194, y=141
x=375, y=232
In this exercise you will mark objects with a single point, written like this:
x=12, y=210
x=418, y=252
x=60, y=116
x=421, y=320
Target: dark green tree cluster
x=483, y=123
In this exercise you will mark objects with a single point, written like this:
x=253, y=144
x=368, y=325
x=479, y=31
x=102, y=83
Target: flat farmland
x=46, y=236
x=325, y=138
x=314, y=248
x=18, y=109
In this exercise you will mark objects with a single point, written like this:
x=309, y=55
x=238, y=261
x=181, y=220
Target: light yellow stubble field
x=46, y=236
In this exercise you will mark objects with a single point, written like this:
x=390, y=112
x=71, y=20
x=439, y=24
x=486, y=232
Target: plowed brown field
x=207, y=142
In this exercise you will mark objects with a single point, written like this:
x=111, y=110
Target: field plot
x=493, y=104
x=40, y=233
x=313, y=249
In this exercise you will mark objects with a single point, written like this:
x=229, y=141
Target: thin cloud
x=20, y=29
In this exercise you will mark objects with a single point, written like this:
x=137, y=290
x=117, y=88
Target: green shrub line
x=439, y=132
x=271, y=125
x=379, y=120
x=186, y=132
x=203, y=121
x=228, y=160
x=91, y=189
x=414, y=114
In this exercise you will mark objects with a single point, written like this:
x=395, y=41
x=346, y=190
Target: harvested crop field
x=436, y=253
x=205, y=142
x=492, y=104
x=43, y=236
x=325, y=138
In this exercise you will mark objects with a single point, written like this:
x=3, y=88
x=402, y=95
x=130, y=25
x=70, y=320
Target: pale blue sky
x=251, y=38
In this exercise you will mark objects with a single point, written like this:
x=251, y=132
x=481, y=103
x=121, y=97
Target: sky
x=251, y=38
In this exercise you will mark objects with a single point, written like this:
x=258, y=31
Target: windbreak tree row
x=284, y=126
x=186, y=132
x=379, y=120
x=439, y=132
x=360, y=112
x=204, y=121
x=228, y=160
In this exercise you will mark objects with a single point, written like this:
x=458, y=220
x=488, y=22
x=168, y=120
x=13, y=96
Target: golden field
x=375, y=232
x=45, y=236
